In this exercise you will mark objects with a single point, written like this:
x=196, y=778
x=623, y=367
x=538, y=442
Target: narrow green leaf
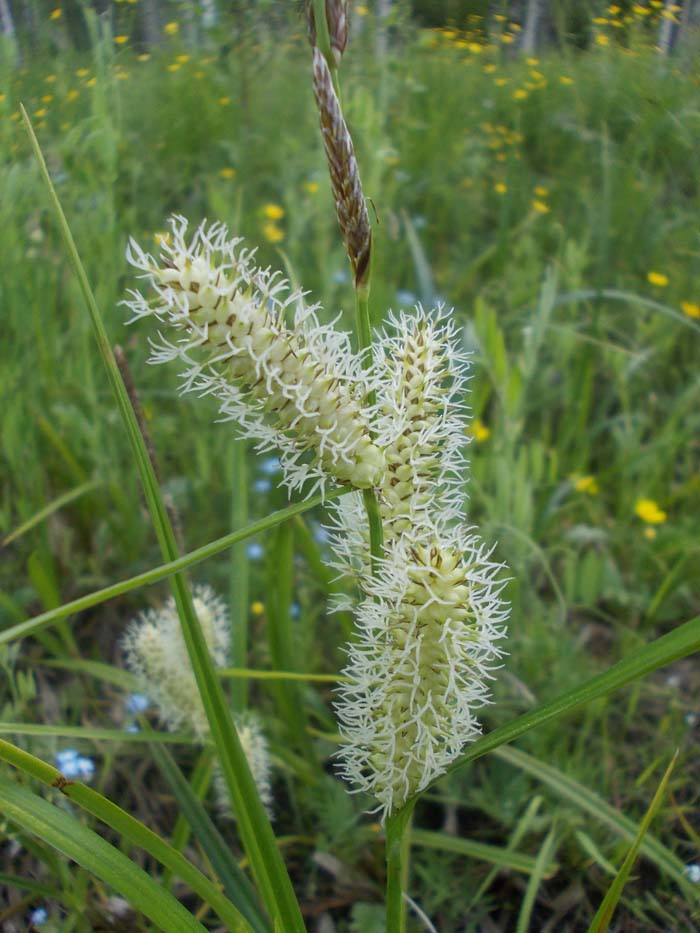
x=35, y=815
x=238, y=574
x=232, y=877
x=92, y=733
x=605, y=912
x=539, y=873
x=289, y=694
x=503, y=858
x=253, y=824
x=129, y=828
x=48, y=510
x=32, y=626
x=679, y=643
x=601, y=811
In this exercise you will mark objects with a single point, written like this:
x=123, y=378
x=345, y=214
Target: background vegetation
x=553, y=200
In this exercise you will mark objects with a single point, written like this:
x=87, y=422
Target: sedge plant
x=373, y=428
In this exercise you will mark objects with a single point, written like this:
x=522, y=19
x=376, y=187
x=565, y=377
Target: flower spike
x=297, y=388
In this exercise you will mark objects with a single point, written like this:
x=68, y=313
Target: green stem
x=238, y=583
x=398, y=843
x=323, y=41
x=364, y=339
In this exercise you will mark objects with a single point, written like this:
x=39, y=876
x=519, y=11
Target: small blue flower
x=295, y=610
x=262, y=485
x=692, y=872
x=38, y=916
x=270, y=466
x=66, y=757
x=419, y=221
x=405, y=297
x=73, y=765
x=255, y=551
x=137, y=703
x=132, y=727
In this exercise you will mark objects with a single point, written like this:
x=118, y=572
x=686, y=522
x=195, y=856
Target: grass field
x=554, y=202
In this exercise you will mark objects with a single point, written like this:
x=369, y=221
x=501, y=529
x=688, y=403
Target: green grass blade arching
x=254, y=827
x=128, y=828
x=48, y=510
x=233, y=879
x=91, y=733
x=601, y=811
x=494, y=855
x=544, y=857
x=55, y=827
x=682, y=641
x=36, y=624
x=604, y=914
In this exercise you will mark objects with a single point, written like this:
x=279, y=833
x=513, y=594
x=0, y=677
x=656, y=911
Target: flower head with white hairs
x=295, y=387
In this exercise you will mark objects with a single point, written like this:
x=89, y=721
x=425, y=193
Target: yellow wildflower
x=171, y=29
x=602, y=40
x=587, y=484
x=224, y=101
x=273, y=211
x=182, y=59
x=72, y=94
x=56, y=14
x=479, y=431
x=361, y=10
x=657, y=278
x=500, y=187
x=310, y=187
x=121, y=40
x=227, y=173
x=540, y=206
x=565, y=79
x=272, y=232
x=690, y=308
x=257, y=608
x=82, y=73
x=541, y=191
x=519, y=94
x=649, y=512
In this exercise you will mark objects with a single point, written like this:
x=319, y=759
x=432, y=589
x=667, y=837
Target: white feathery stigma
x=296, y=386
x=429, y=620
x=156, y=653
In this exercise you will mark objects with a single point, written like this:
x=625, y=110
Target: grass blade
x=544, y=858
x=495, y=855
x=129, y=828
x=48, y=510
x=605, y=912
x=590, y=803
x=148, y=577
x=233, y=879
x=91, y=733
x=679, y=643
x=253, y=824
x=40, y=818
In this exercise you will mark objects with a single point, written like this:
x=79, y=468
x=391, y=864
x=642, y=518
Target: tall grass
x=539, y=215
